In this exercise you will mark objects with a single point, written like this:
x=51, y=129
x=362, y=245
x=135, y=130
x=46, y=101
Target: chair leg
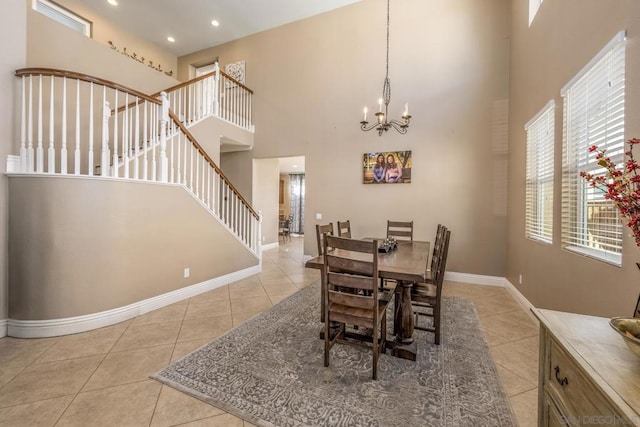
x=327, y=339
x=436, y=323
x=383, y=333
x=376, y=353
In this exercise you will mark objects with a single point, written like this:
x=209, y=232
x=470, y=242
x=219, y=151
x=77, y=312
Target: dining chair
x=437, y=247
x=401, y=230
x=351, y=294
x=321, y=230
x=426, y=298
x=284, y=229
x=344, y=229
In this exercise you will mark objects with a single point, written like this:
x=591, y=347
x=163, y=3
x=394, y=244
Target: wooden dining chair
x=401, y=230
x=321, y=230
x=344, y=229
x=351, y=293
x=284, y=229
x=426, y=298
x=437, y=247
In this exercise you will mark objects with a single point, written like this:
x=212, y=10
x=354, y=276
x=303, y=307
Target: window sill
x=598, y=255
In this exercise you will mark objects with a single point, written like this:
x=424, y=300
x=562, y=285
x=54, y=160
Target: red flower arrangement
x=620, y=183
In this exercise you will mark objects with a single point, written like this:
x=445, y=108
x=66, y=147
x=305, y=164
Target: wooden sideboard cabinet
x=587, y=375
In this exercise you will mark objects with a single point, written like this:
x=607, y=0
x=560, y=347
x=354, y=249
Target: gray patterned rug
x=269, y=371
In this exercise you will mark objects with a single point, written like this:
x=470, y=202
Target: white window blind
x=63, y=16
x=593, y=115
x=534, y=5
x=539, y=175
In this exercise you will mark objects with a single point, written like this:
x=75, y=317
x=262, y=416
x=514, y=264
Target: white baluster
x=191, y=167
x=174, y=135
x=30, y=128
x=115, y=161
x=216, y=90
x=106, y=113
x=90, y=159
x=202, y=187
x=145, y=165
x=126, y=123
x=23, y=129
x=250, y=118
x=136, y=159
x=164, y=120
x=39, y=150
x=51, y=153
x=63, y=149
x=76, y=154
x=154, y=139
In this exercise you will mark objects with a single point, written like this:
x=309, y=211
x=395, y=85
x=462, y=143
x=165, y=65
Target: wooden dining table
x=407, y=264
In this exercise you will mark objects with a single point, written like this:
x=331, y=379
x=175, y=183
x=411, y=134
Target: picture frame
x=387, y=167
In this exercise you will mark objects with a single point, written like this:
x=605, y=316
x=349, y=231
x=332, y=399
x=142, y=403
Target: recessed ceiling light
x=171, y=39
x=215, y=23
x=295, y=166
x=113, y=2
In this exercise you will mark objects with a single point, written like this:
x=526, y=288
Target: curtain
x=296, y=195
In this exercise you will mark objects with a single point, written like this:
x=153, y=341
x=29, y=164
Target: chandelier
x=383, y=123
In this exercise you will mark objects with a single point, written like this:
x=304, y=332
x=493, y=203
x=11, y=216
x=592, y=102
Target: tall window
x=63, y=16
x=539, y=175
x=593, y=115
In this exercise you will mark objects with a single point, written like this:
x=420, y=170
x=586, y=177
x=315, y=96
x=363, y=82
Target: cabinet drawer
x=569, y=385
x=551, y=414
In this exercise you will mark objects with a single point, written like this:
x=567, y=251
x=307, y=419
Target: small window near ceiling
x=593, y=115
x=534, y=5
x=63, y=16
x=539, y=175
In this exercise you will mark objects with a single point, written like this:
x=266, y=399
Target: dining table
x=406, y=264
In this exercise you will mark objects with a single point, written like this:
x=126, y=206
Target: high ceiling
x=189, y=21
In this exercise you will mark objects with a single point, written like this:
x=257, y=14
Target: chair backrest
x=348, y=273
x=321, y=230
x=402, y=230
x=437, y=246
x=344, y=229
x=442, y=261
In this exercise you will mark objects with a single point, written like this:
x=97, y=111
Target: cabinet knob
x=562, y=381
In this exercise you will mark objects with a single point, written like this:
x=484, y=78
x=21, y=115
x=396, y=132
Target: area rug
x=269, y=371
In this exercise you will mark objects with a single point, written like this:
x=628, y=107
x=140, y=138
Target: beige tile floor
x=101, y=377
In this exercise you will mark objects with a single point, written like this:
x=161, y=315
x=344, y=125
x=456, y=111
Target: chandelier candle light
x=383, y=124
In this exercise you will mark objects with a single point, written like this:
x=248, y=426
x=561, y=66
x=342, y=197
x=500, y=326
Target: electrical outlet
x=318, y=216
x=520, y=279
x=187, y=273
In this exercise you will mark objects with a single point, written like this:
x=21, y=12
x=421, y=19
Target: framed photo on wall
x=387, y=167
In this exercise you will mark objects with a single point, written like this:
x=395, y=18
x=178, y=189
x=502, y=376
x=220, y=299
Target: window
x=539, y=175
x=593, y=115
x=534, y=5
x=63, y=16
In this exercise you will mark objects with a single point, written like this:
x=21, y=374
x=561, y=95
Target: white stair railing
x=214, y=94
x=118, y=132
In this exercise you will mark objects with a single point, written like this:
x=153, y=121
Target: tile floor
x=101, y=377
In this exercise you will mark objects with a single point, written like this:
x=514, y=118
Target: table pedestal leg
x=404, y=314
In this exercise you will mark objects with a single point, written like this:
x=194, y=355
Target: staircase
x=79, y=125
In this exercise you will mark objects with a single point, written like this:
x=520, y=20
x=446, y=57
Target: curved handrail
x=202, y=77
x=86, y=78
x=209, y=160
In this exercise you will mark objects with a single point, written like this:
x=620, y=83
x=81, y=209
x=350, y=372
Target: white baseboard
x=524, y=302
x=73, y=325
x=3, y=328
x=270, y=246
x=476, y=279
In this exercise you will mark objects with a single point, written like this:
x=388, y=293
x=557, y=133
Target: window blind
x=593, y=115
x=539, y=175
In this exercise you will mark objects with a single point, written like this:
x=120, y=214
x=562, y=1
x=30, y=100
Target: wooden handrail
x=209, y=160
x=86, y=78
x=202, y=77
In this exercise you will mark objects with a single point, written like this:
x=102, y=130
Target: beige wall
x=81, y=246
x=52, y=45
x=266, y=180
x=13, y=33
x=449, y=61
x=105, y=31
x=563, y=38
